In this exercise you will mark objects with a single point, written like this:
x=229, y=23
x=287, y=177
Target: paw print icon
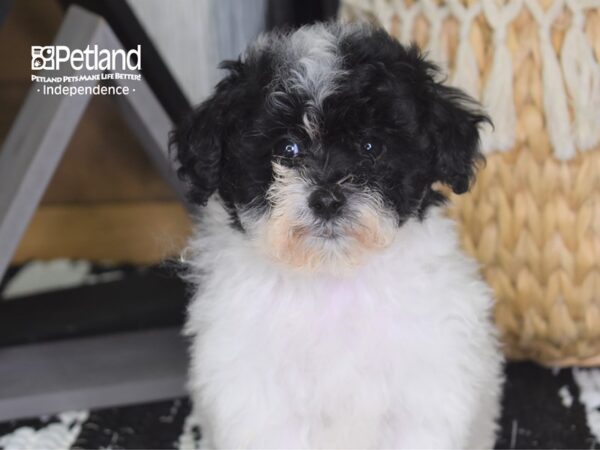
x=38, y=63
x=42, y=58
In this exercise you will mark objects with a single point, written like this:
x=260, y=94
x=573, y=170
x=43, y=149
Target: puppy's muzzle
x=327, y=202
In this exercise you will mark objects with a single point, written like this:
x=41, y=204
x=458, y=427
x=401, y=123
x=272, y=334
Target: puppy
x=334, y=308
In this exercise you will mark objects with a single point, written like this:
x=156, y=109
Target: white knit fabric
x=436, y=47
x=498, y=93
x=386, y=10
x=571, y=83
x=555, y=98
x=582, y=77
x=466, y=73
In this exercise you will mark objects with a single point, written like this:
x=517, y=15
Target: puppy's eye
x=370, y=147
x=288, y=149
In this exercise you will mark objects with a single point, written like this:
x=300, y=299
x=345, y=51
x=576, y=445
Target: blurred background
x=93, y=222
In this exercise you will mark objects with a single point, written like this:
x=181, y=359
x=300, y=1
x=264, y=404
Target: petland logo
x=53, y=57
x=92, y=71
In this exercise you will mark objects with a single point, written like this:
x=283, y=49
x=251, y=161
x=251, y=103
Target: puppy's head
x=323, y=141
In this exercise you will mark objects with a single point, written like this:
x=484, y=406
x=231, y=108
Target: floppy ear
x=454, y=122
x=198, y=140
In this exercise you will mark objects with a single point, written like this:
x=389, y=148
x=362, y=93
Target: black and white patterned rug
x=542, y=408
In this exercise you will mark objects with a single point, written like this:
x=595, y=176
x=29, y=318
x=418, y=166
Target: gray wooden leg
x=148, y=120
x=93, y=372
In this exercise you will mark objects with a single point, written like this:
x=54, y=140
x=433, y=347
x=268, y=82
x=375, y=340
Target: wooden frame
x=45, y=124
x=85, y=372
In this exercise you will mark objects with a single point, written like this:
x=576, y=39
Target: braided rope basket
x=533, y=216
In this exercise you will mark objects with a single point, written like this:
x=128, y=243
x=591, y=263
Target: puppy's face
x=322, y=142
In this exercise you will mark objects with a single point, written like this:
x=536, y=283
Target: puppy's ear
x=454, y=121
x=198, y=142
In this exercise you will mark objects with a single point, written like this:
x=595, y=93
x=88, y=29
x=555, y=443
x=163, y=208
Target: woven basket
x=533, y=217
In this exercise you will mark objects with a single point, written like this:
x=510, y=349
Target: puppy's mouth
x=327, y=235
x=331, y=229
x=325, y=232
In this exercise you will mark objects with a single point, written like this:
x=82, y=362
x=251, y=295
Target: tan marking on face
x=288, y=237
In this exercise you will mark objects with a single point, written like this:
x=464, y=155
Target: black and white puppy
x=334, y=308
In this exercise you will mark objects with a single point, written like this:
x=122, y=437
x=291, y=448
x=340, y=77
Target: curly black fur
x=421, y=131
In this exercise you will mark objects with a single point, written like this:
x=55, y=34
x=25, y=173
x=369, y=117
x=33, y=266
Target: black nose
x=326, y=202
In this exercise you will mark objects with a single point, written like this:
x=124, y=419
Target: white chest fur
x=400, y=353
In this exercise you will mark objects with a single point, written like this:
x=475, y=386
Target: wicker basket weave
x=533, y=217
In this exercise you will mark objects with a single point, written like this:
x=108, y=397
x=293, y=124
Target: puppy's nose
x=326, y=203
